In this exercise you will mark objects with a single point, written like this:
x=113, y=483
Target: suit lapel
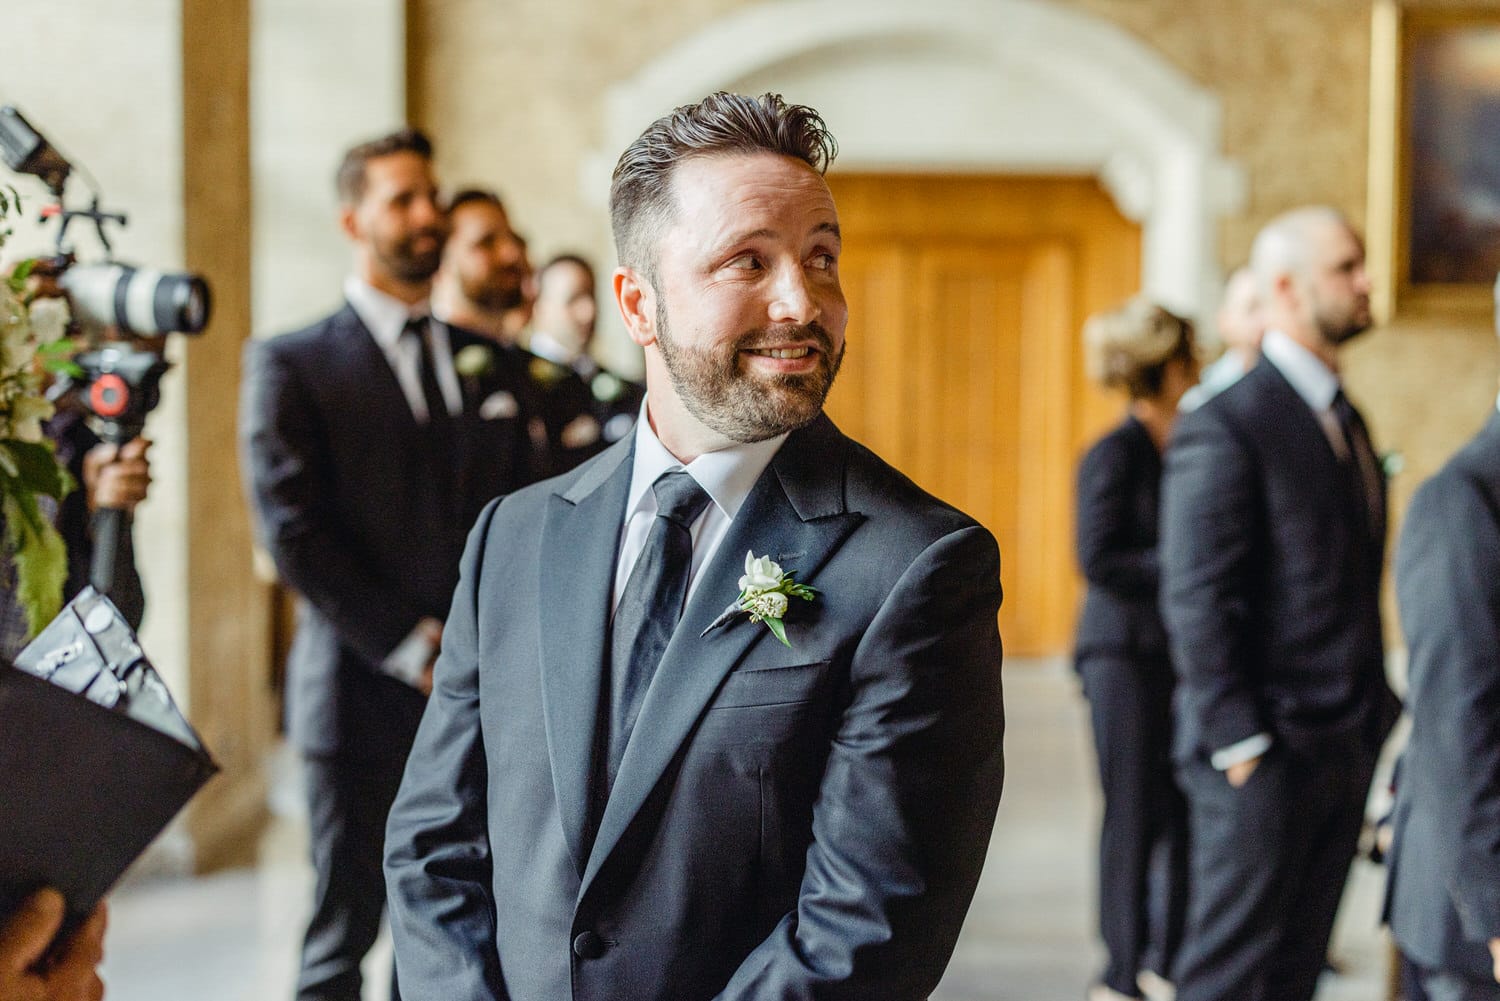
x=579, y=539
x=797, y=507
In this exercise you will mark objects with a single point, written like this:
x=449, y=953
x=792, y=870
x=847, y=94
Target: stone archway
x=991, y=86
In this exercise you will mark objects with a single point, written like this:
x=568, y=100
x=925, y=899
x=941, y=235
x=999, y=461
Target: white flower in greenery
x=765, y=590
x=27, y=413
x=767, y=606
x=761, y=573
x=49, y=320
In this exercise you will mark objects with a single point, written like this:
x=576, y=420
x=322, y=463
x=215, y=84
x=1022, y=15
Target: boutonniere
x=765, y=590
x=473, y=361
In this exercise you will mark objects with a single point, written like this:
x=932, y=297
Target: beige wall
x=514, y=94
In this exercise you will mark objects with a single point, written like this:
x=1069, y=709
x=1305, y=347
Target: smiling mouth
x=801, y=352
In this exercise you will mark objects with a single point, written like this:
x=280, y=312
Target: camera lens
x=139, y=301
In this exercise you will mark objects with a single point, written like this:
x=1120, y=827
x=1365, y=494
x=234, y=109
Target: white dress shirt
x=1317, y=384
x=1313, y=380
x=727, y=476
x=386, y=317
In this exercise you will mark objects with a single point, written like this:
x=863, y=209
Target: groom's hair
x=640, y=194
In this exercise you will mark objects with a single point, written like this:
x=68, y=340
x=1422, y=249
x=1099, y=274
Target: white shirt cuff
x=1237, y=753
x=408, y=662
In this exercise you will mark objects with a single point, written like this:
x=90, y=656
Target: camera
x=115, y=380
x=139, y=301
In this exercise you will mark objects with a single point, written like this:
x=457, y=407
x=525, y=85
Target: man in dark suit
x=1273, y=530
x=368, y=455
x=1444, y=896
x=596, y=407
x=646, y=808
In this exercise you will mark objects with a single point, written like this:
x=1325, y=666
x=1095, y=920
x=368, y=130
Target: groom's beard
x=742, y=405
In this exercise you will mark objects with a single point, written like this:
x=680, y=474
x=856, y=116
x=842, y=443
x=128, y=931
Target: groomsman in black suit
x=1444, y=896
x=368, y=452
x=1273, y=532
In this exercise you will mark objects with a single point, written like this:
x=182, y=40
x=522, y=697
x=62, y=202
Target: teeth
x=780, y=352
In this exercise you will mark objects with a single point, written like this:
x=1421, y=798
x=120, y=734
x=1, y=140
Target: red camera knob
x=109, y=396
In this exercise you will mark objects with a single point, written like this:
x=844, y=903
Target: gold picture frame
x=1434, y=178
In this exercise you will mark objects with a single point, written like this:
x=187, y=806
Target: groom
x=625, y=790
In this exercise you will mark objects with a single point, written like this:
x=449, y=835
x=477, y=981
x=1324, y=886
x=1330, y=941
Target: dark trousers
x=1143, y=868
x=1269, y=861
x=348, y=801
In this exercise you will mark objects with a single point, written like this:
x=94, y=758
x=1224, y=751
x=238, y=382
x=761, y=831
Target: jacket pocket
x=772, y=686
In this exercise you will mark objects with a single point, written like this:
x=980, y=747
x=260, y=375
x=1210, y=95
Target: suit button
x=588, y=945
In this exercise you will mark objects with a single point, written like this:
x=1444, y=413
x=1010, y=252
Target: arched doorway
x=984, y=106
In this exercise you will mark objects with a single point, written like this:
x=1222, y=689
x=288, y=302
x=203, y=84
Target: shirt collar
x=727, y=475
x=383, y=315
x=1313, y=381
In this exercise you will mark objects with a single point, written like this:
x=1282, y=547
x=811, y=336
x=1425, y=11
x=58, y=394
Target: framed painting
x=1434, y=162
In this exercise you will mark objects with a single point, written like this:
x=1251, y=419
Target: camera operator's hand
x=117, y=476
x=69, y=976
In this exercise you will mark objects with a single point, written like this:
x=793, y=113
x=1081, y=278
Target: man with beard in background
x=484, y=281
x=369, y=449
x=1273, y=534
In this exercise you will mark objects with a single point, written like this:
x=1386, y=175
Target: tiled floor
x=1029, y=937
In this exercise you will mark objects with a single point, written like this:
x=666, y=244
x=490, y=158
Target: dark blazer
x=1119, y=500
x=786, y=823
x=335, y=465
x=1270, y=577
x=1444, y=898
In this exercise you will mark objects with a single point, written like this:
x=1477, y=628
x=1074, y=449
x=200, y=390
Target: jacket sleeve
x=1448, y=563
x=1108, y=552
x=285, y=457
x=1210, y=512
x=437, y=848
x=908, y=794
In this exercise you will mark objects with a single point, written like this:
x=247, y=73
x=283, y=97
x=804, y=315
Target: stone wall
x=514, y=96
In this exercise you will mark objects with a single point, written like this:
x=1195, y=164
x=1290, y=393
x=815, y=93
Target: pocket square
x=498, y=405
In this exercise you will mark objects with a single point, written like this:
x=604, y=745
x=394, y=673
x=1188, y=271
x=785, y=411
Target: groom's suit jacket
x=787, y=822
x=338, y=475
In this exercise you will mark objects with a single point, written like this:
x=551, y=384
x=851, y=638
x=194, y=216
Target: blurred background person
x=1240, y=326
x=1443, y=901
x=370, y=442
x=1121, y=648
x=1272, y=545
x=598, y=407
x=482, y=284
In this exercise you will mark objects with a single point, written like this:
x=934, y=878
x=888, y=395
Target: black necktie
x=419, y=330
x=438, y=432
x=1361, y=462
x=650, y=606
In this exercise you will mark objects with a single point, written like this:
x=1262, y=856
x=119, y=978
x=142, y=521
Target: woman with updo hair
x=1121, y=651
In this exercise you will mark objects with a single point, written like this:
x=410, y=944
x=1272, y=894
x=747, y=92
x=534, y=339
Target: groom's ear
x=636, y=297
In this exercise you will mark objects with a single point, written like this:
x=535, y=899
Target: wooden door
x=966, y=297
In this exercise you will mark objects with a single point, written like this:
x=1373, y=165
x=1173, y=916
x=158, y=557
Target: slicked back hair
x=640, y=194
x=351, y=178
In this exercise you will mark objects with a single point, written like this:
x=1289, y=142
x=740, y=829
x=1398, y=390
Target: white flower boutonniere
x=764, y=592
x=474, y=360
